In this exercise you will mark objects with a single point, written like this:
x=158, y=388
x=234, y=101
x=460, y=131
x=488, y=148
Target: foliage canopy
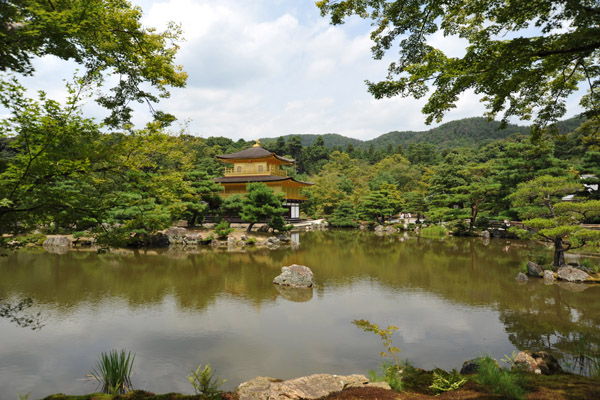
x=106, y=37
x=524, y=57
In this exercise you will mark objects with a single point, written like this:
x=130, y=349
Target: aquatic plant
x=113, y=372
x=204, y=382
x=498, y=380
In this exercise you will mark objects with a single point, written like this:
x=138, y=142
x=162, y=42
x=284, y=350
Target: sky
x=267, y=68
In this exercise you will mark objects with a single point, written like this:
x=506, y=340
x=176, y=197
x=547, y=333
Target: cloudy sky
x=267, y=68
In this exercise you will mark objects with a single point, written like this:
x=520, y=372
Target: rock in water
x=295, y=276
x=548, y=277
x=534, y=270
x=521, y=277
x=572, y=274
x=57, y=241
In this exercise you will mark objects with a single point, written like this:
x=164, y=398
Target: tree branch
x=580, y=49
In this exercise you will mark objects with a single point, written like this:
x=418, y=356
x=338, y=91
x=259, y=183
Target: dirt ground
x=554, y=387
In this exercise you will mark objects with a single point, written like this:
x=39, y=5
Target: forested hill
x=468, y=132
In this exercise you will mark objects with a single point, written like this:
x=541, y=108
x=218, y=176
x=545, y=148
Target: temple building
x=259, y=165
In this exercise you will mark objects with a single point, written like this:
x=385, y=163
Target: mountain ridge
x=466, y=132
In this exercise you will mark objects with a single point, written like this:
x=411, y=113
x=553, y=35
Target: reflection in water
x=451, y=299
x=15, y=311
x=297, y=295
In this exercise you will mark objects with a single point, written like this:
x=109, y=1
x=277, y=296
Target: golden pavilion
x=259, y=165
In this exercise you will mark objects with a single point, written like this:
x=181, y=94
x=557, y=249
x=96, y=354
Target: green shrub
x=445, y=382
x=113, y=372
x=498, y=380
x=540, y=255
x=482, y=222
x=251, y=241
x=222, y=229
x=434, y=231
x=344, y=216
x=589, y=264
x=204, y=382
x=390, y=373
x=80, y=234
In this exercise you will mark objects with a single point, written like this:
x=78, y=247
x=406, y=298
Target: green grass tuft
x=434, y=231
x=113, y=372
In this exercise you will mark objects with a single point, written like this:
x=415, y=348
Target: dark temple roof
x=259, y=178
x=254, y=153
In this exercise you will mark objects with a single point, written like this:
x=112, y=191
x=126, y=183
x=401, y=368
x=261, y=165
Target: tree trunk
x=559, y=253
x=474, y=212
x=249, y=228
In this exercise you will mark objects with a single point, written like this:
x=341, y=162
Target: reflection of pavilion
x=259, y=165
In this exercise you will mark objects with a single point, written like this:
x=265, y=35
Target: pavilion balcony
x=254, y=171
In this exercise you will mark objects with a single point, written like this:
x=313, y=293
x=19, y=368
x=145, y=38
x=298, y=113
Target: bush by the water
x=498, y=380
x=204, y=382
x=434, y=231
x=222, y=229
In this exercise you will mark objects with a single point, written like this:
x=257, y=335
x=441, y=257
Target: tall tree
x=104, y=37
x=553, y=220
x=261, y=204
x=524, y=58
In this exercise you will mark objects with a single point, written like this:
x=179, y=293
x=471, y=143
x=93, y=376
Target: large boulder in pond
x=548, y=277
x=57, y=241
x=572, y=274
x=176, y=233
x=534, y=270
x=295, y=275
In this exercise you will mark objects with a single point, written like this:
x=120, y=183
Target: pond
x=451, y=299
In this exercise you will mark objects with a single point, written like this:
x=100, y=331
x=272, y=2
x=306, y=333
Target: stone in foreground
x=537, y=362
x=295, y=275
x=470, y=367
x=307, y=387
x=572, y=274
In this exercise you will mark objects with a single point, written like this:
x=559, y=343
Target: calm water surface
x=452, y=300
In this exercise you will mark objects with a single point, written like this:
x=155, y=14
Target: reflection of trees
x=553, y=319
x=15, y=312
